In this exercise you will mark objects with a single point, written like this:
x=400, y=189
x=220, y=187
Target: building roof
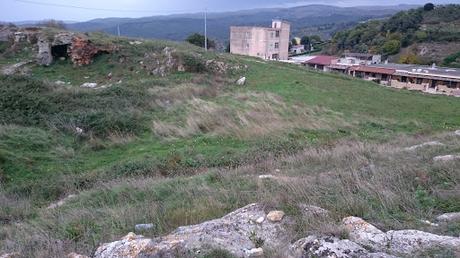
x=365, y=55
x=423, y=70
x=372, y=69
x=321, y=60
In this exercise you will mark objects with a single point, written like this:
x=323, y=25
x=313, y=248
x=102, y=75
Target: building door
x=433, y=84
x=275, y=57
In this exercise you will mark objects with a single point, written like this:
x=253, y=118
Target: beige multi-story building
x=267, y=43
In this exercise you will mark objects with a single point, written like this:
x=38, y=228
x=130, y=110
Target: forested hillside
x=412, y=36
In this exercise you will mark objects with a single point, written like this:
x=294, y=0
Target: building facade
x=266, y=43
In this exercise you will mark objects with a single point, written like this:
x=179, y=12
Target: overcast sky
x=25, y=10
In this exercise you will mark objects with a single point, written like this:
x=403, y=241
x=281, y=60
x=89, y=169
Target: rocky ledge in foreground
x=249, y=232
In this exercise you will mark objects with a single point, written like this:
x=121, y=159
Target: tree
x=198, y=40
x=294, y=42
x=305, y=40
x=391, y=47
x=52, y=24
x=428, y=7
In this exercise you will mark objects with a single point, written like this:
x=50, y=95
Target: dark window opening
x=419, y=80
x=404, y=79
x=277, y=33
x=59, y=51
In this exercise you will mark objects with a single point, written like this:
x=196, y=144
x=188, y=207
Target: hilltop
x=102, y=133
x=312, y=19
x=423, y=35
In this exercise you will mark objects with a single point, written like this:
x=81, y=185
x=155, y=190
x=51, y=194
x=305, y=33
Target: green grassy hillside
x=188, y=147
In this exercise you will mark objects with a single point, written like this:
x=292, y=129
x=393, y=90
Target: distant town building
x=361, y=58
x=297, y=49
x=429, y=79
x=267, y=43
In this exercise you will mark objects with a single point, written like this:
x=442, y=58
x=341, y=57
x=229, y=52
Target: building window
x=419, y=80
x=275, y=56
x=277, y=33
x=272, y=35
x=247, y=45
x=277, y=45
x=404, y=79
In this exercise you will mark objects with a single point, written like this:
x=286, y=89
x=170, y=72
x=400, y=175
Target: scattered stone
x=404, y=242
x=9, y=255
x=255, y=252
x=275, y=216
x=75, y=255
x=429, y=223
x=232, y=233
x=449, y=217
x=60, y=83
x=78, y=130
x=143, y=227
x=267, y=177
x=446, y=158
x=241, y=81
x=260, y=220
x=89, y=85
x=15, y=68
x=136, y=42
x=433, y=143
x=277, y=170
x=61, y=202
x=457, y=132
x=216, y=66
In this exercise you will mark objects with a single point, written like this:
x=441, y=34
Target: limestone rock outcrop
x=402, y=242
x=236, y=232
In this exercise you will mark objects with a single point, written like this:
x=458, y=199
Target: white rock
x=255, y=252
x=78, y=130
x=59, y=83
x=136, y=42
x=75, y=255
x=449, y=217
x=61, y=202
x=405, y=242
x=260, y=220
x=143, y=227
x=429, y=223
x=434, y=143
x=446, y=158
x=275, y=216
x=457, y=132
x=241, y=81
x=267, y=177
x=89, y=85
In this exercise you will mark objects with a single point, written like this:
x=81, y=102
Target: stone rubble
x=426, y=144
x=275, y=216
x=401, y=242
x=232, y=232
x=446, y=158
x=61, y=202
x=90, y=85
x=241, y=81
x=449, y=217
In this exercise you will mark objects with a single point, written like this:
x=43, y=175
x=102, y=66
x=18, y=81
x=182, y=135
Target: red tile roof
x=321, y=60
x=370, y=69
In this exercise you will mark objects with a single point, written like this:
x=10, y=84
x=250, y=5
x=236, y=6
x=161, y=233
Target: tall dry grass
x=381, y=182
x=246, y=115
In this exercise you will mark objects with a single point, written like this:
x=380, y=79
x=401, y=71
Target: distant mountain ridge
x=304, y=19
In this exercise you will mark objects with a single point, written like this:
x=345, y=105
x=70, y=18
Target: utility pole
x=206, y=28
x=118, y=30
